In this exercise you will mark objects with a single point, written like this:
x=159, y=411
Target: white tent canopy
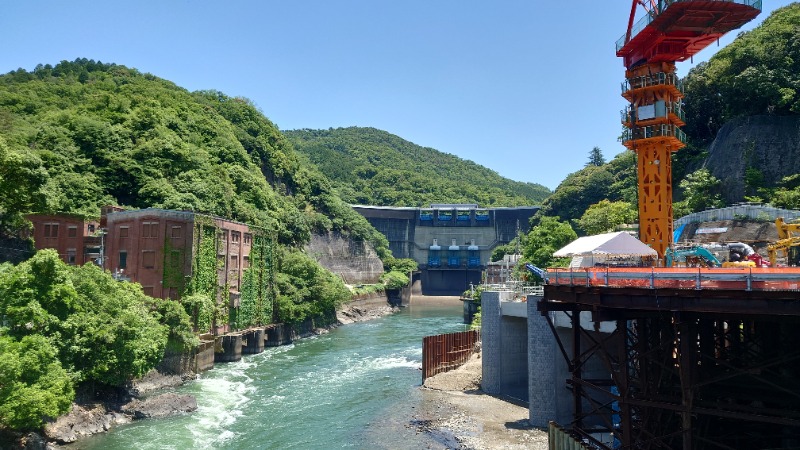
x=617, y=244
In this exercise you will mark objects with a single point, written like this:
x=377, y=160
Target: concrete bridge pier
x=253, y=341
x=228, y=347
x=276, y=335
x=504, y=336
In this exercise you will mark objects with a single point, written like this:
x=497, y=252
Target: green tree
x=596, y=157
x=605, y=215
x=545, y=239
x=402, y=265
x=21, y=180
x=700, y=191
x=578, y=191
x=33, y=384
x=104, y=330
x=394, y=280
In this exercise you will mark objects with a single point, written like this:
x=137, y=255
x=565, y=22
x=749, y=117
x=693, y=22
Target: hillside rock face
x=770, y=144
x=355, y=261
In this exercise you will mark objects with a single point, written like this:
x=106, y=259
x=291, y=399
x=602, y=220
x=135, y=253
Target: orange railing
x=747, y=279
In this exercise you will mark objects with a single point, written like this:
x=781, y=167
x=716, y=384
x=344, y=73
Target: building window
x=175, y=259
x=148, y=290
x=51, y=230
x=91, y=228
x=123, y=232
x=148, y=259
x=248, y=238
x=123, y=259
x=234, y=236
x=149, y=229
x=176, y=232
x=234, y=262
x=71, y=256
x=245, y=262
x=173, y=293
x=72, y=231
x=222, y=236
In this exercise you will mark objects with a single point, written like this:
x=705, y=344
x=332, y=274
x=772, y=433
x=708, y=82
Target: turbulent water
x=355, y=387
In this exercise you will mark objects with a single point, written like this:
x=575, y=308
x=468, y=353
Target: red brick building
x=78, y=241
x=156, y=247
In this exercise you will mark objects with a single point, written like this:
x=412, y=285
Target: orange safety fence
x=738, y=278
x=445, y=352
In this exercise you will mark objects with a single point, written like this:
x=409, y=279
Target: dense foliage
x=87, y=327
x=545, y=239
x=307, y=290
x=89, y=134
x=33, y=384
x=613, y=181
x=604, y=216
x=83, y=134
x=759, y=73
x=373, y=167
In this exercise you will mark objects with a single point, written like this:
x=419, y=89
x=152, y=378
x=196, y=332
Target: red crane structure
x=670, y=31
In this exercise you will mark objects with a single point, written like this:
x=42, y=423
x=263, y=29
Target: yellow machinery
x=788, y=237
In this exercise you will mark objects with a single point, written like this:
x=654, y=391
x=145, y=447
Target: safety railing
x=520, y=289
x=653, y=131
x=656, y=79
x=647, y=19
x=747, y=279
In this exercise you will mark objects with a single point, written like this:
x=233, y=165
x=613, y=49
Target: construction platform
x=697, y=359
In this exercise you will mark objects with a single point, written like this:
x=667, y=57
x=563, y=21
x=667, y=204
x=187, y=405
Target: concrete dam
x=452, y=243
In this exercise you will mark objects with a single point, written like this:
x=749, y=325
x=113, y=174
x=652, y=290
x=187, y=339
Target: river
x=355, y=387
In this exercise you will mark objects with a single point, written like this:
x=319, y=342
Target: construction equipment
x=787, y=243
x=743, y=255
x=670, y=31
x=692, y=257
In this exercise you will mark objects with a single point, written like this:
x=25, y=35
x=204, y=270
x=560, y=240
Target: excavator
x=739, y=255
x=787, y=243
x=692, y=257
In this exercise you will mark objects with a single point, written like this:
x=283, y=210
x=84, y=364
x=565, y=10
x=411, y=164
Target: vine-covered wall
x=257, y=291
x=206, y=300
x=201, y=291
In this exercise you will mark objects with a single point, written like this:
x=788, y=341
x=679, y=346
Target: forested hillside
x=83, y=134
x=373, y=167
x=747, y=157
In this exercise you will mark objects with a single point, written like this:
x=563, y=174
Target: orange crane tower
x=670, y=31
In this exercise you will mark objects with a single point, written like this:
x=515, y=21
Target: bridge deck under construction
x=699, y=359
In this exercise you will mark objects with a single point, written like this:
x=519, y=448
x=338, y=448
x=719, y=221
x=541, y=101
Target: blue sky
x=526, y=88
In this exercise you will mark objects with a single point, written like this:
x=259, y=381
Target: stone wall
x=355, y=261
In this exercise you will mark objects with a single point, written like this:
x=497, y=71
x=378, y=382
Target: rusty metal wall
x=445, y=352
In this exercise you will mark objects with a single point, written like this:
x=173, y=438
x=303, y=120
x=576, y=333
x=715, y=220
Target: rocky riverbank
x=97, y=412
x=369, y=307
x=460, y=416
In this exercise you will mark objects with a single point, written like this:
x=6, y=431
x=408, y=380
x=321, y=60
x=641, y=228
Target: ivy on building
x=257, y=291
